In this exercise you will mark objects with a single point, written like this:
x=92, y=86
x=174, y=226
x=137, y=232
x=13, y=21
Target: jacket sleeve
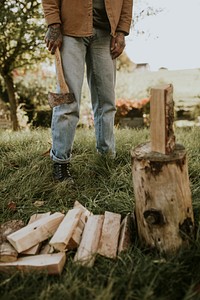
x=51, y=10
x=126, y=17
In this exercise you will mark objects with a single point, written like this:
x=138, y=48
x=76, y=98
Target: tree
x=21, y=43
x=144, y=9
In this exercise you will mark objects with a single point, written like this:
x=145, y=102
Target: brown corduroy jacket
x=75, y=16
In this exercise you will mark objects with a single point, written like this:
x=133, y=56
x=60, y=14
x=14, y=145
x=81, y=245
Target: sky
x=171, y=38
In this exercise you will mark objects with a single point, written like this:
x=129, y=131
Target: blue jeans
x=101, y=74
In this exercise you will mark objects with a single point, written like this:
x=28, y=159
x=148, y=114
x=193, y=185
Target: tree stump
x=163, y=203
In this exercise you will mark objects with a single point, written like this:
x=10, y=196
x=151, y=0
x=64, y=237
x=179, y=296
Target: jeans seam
x=99, y=104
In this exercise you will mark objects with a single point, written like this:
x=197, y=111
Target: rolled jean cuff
x=59, y=160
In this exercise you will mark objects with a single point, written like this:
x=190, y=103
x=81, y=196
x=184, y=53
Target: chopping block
x=163, y=201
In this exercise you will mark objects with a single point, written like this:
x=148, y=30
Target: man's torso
x=100, y=18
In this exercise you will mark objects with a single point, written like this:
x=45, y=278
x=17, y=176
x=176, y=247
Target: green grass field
x=139, y=274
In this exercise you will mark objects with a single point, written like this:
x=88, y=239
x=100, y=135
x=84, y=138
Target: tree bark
x=12, y=100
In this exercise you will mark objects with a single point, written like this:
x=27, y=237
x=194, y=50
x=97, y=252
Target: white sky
x=171, y=38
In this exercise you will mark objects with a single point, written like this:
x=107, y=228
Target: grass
x=25, y=177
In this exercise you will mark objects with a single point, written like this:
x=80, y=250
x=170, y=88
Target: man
x=91, y=32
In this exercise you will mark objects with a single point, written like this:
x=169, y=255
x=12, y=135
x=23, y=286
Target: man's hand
x=53, y=37
x=117, y=44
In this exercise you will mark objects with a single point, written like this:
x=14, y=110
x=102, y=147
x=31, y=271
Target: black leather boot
x=61, y=172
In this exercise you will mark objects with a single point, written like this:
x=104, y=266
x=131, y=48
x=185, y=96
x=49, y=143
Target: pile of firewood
x=44, y=242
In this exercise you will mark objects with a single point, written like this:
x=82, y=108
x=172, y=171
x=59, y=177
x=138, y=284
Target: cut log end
x=144, y=151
